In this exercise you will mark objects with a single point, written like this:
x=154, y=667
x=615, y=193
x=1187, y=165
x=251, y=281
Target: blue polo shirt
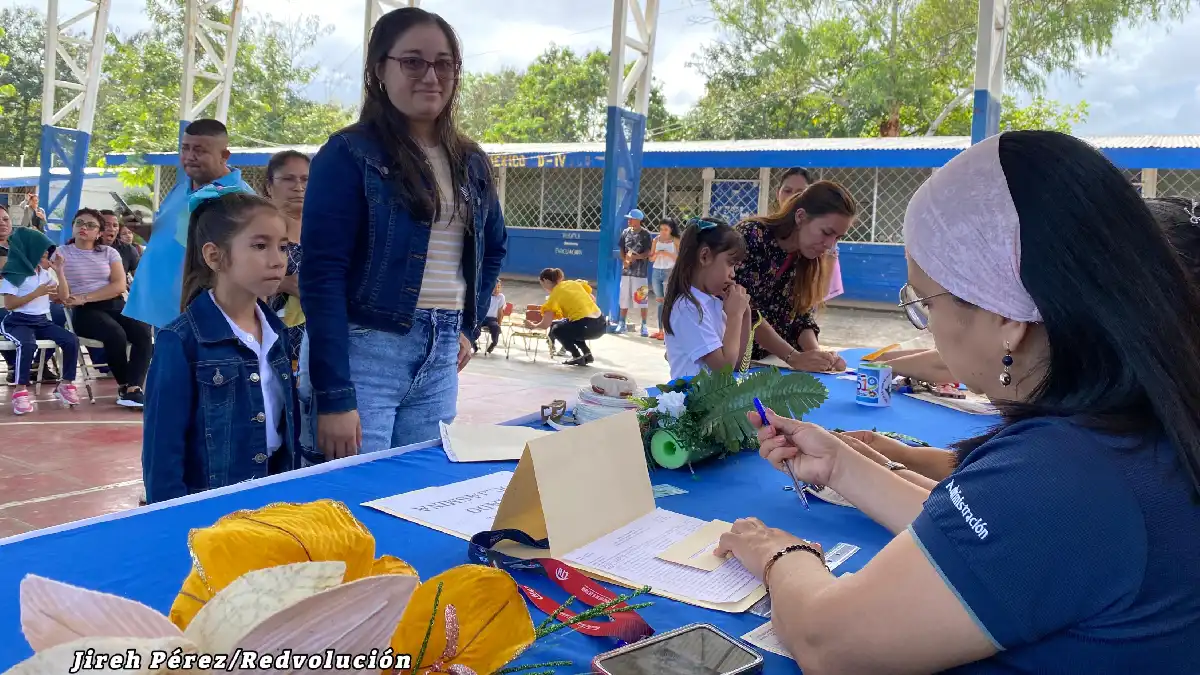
x=154, y=297
x=1072, y=550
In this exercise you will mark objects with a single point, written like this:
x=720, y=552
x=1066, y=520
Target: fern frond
x=722, y=409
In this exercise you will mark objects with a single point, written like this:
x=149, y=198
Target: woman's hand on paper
x=753, y=544
x=816, y=362
x=813, y=451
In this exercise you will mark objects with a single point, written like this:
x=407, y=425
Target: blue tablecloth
x=144, y=555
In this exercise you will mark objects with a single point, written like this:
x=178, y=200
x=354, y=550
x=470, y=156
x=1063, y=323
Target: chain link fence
x=1179, y=183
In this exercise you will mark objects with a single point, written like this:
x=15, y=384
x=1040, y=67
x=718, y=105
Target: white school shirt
x=272, y=388
x=694, y=335
x=495, y=306
x=38, y=307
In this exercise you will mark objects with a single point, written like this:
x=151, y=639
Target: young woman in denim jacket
x=404, y=240
x=221, y=404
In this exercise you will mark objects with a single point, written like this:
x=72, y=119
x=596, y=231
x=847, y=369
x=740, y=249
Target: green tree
x=23, y=40
x=794, y=68
x=561, y=97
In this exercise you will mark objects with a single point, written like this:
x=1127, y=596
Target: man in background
x=635, y=243
x=155, y=295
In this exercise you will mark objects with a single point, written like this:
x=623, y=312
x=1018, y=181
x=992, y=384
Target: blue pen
x=762, y=414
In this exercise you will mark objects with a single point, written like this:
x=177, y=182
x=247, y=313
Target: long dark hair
x=1180, y=220
x=1124, y=348
x=713, y=234
x=216, y=221
x=97, y=246
x=812, y=276
x=390, y=127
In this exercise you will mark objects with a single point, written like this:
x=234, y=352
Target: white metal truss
x=990, y=51
x=638, y=80
x=375, y=10
x=209, y=53
x=84, y=79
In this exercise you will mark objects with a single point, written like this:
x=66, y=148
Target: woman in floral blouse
x=786, y=252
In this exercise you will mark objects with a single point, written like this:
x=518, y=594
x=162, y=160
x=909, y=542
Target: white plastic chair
x=40, y=362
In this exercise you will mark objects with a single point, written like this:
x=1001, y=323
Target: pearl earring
x=1006, y=374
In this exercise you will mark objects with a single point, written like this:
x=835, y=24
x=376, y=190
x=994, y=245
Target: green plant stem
x=604, y=609
x=429, y=630
x=554, y=614
x=548, y=664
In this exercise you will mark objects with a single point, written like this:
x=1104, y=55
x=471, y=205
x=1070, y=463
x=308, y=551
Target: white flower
x=671, y=403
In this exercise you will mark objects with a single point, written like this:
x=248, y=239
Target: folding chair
x=534, y=337
x=39, y=363
x=87, y=367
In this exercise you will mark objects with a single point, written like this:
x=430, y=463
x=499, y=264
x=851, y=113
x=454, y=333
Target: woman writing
x=581, y=317
x=97, y=280
x=785, y=273
x=1097, y=453
x=410, y=239
x=287, y=181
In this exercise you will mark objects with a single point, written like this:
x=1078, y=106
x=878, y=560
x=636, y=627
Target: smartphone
x=122, y=208
x=696, y=649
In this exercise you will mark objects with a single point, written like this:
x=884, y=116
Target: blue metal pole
x=989, y=69
x=70, y=148
x=622, y=175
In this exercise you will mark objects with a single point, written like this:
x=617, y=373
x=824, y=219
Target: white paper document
x=461, y=509
x=764, y=637
x=630, y=553
x=465, y=442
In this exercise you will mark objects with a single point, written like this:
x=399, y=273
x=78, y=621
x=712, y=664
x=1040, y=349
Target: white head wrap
x=962, y=229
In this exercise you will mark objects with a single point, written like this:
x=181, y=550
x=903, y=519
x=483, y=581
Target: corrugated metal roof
x=29, y=176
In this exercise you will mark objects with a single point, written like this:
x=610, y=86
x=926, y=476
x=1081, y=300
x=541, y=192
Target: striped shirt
x=443, y=285
x=88, y=271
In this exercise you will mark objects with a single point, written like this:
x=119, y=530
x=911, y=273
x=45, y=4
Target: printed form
x=461, y=509
x=631, y=553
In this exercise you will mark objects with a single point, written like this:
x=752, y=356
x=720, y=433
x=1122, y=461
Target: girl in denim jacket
x=221, y=404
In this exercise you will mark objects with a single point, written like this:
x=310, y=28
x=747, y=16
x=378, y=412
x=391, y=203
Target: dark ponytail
x=215, y=221
x=552, y=274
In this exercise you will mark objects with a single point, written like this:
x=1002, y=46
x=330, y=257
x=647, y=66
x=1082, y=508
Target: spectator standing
x=203, y=153
x=411, y=238
x=666, y=252
x=287, y=181
x=635, y=245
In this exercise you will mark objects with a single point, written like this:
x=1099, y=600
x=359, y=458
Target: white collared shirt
x=272, y=387
x=695, y=333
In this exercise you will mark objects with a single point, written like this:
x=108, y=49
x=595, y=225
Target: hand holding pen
x=804, y=451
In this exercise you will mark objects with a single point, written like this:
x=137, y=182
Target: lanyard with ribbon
x=627, y=626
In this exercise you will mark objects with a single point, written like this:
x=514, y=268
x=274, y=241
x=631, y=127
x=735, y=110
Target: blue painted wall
x=870, y=272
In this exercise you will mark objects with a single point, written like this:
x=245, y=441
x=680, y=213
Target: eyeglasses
x=911, y=302
x=415, y=67
x=86, y=225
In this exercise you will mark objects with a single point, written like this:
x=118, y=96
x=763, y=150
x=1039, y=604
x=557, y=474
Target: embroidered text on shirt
x=977, y=525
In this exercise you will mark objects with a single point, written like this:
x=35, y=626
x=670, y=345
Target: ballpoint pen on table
x=762, y=414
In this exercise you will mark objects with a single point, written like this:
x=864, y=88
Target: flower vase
x=669, y=453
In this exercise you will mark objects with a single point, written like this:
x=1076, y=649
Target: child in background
x=221, y=405
x=27, y=287
x=666, y=250
x=492, y=321
x=706, y=315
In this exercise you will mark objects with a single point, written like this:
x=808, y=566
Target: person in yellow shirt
x=574, y=302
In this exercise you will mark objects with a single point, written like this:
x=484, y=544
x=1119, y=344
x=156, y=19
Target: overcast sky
x=1147, y=84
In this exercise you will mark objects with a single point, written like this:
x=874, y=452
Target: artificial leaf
x=352, y=618
x=494, y=625
x=254, y=597
x=54, y=613
x=721, y=401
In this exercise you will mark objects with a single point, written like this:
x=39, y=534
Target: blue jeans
x=658, y=286
x=405, y=384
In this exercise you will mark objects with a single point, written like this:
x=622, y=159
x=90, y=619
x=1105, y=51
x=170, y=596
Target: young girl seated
x=581, y=317
x=492, y=321
x=27, y=288
x=221, y=404
x=706, y=315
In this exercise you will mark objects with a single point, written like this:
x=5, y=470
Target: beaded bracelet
x=790, y=549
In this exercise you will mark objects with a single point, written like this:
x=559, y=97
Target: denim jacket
x=204, y=412
x=365, y=256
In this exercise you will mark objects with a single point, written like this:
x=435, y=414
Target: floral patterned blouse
x=770, y=290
